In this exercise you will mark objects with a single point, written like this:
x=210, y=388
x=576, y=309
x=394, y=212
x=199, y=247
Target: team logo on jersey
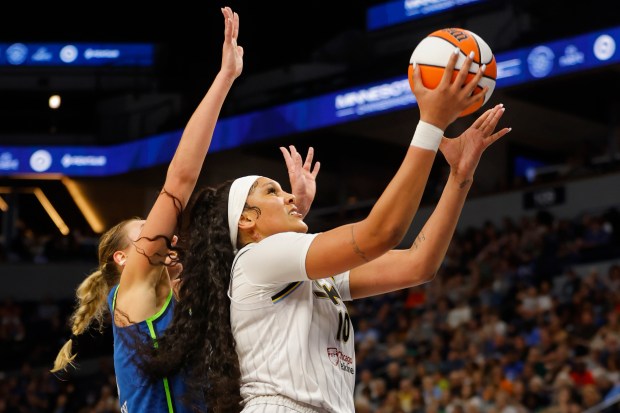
x=332, y=353
x=327, y=291
x=339, y=359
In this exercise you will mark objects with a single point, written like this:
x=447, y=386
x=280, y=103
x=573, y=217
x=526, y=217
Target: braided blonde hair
x=92, y=293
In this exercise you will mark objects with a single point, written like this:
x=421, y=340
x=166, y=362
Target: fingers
x=491, y=139
x=446, y=79
x=478, y=123
x=228, y=24
x=468, y=89
x=417, y=79
x=309, y=156
x=489, y=124
x=287, y=158
x=294, y=160
x=231, y=21
x=296, y=156
x=488, y=118
x=461, y=77
x=315, y=171
x=236, y=26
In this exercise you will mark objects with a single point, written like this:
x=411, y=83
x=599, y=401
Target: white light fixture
x=54, y=101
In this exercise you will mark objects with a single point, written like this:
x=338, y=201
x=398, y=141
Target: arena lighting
x=49, y=208
x=45, y=203
x=85, y=206
x=54, y=101
x=3, y=205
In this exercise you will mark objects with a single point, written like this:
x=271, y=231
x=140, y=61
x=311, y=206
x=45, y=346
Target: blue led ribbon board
x=529, y=64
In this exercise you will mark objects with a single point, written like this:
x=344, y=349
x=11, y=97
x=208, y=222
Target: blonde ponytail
x=92, y=293
x=91, y=296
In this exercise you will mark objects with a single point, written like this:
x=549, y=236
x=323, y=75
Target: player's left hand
x=302, y=177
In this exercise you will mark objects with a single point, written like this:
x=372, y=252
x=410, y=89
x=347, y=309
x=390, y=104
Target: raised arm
x=143, y=265
x=355, y=244
x=400, y=269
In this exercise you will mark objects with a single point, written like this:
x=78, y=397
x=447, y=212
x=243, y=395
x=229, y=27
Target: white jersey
x=293, y=335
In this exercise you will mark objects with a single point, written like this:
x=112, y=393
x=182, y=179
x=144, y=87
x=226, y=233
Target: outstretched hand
x=302, y=177
x=463, y=153
x=232, y=54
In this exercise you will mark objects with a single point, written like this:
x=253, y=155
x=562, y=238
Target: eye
x=271, y=190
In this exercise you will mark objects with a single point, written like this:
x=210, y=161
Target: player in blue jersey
x=138, y=260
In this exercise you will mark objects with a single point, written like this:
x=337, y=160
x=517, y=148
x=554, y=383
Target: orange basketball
x=433, y=52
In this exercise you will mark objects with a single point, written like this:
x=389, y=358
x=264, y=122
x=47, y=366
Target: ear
x=120, y=257
x=246, y=222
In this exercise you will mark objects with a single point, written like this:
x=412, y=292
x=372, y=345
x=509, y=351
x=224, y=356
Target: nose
x=290, y=198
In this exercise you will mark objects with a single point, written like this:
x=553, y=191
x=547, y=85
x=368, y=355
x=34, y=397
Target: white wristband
x=427, y=136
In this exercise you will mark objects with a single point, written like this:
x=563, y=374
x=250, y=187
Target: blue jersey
x=136, y=394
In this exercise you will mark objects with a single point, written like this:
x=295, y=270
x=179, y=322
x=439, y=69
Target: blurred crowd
x=507, y=326
x=522, y=317
x=28, y=245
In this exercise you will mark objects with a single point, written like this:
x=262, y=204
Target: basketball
x=433, y=52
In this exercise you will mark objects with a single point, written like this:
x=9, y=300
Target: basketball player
x=292, y=334
x=134, y=257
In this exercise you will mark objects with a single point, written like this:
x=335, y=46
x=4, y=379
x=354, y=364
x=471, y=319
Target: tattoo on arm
x=419, y=239
x=356, y=248
x=464, y=183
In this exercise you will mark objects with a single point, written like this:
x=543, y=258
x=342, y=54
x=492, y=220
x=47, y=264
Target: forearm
x=186, y=164
x=431, y=244
x=393, y=212
x=398, y=269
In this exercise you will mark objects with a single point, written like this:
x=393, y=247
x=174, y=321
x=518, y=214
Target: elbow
x=373, y=242
x=427, y=271
x=430, y=268
x=383, y=241
x=391, y=237
x=422, y=278
x=429, y=277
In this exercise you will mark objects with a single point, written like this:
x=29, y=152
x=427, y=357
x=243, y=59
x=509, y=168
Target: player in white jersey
x=287, y=288
x=310, y=355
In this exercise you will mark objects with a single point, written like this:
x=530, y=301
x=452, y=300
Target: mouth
x=293, y=212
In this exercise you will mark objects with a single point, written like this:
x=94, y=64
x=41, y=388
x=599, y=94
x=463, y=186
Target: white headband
x=236, y=202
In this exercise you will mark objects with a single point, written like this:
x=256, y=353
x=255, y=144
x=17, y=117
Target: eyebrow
x=271, y=183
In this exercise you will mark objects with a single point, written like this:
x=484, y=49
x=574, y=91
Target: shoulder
x=284, y=243
x=277, y=258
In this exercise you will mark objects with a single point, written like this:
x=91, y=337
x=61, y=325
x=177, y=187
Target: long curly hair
x=199, y=341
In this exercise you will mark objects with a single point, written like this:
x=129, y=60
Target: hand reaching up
x=463, y=153
x=232, y=54
x=302, y=177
